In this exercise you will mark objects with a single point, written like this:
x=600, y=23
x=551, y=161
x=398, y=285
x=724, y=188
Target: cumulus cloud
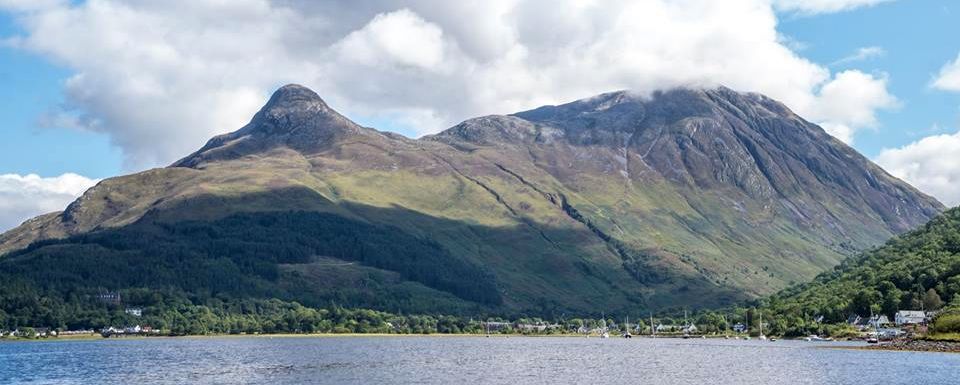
x=930, y=164
x=949, y=77
x=161, y=77
x=26, y=196
x=849, y=101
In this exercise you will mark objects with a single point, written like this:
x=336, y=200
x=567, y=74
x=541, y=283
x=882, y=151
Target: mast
x=761, y=323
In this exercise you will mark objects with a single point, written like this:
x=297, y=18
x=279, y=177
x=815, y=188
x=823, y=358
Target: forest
x=919, y=270
x=225, y=267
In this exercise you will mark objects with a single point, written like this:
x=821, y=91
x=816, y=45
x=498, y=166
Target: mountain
x=687, y=197
x=918, y=270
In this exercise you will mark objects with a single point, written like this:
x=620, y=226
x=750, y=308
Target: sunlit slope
x=689, y=198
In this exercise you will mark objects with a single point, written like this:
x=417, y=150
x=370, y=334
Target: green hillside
x=920, y=269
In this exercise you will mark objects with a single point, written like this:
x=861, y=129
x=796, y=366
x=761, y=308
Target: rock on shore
x=920, y=346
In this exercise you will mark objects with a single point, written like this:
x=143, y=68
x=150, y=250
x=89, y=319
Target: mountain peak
x=295, y=117
x=292, y=105
x=294, y=95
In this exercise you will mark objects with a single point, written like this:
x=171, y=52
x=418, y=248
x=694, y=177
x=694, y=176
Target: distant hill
x=616, y=203
x=918, y=270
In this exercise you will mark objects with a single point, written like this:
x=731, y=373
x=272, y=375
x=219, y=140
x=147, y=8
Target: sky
x=98, y=88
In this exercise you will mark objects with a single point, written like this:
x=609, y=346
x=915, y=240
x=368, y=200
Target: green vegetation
x=223, y=264
x=178, y=314
x=919, y=270
x=946, y=326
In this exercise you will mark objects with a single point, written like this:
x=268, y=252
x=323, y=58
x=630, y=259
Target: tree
x=864, y=300
x=931, y=300
x=891, y=301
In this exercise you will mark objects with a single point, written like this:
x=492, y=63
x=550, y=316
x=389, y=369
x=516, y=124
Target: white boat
x=816, y=338
x=761, y=337
x=604, y=333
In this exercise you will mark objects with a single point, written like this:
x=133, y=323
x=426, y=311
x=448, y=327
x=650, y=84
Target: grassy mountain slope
x=613, y=203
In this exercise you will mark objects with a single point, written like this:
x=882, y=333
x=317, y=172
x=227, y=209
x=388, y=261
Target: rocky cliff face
x=710, y=140
x=685, y=197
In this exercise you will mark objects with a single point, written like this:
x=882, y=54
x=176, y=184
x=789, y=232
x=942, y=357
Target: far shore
x=97, y=336
x=911, y=345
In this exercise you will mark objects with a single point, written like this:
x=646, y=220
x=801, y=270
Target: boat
x=816, y=338
x=876, y=329
x=761, y=337
x=604, y=332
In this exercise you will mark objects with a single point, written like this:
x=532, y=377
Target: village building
x=910, y=317
x=661, y=328
x=854, y=319
x=109, y=297
x=494, y=326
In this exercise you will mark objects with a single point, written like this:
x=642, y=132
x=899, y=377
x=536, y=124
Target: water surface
x=465, y=360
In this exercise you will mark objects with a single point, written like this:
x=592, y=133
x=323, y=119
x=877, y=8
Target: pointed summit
x=295, y=117
x=294, y=107
x=295, y=98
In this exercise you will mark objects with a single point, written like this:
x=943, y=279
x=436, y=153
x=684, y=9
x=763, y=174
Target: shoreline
x=97, y=336
x=917, y=345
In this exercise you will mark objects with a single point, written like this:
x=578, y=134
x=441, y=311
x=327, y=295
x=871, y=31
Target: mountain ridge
x=696, y=196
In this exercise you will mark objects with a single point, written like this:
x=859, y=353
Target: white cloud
x=400, y=37
x=26, y=196
x=931, y=164
x=161, y=77
x=849, y=101
x=861, y=54
x=30, y=5
x=949, y=77
x=813, y=7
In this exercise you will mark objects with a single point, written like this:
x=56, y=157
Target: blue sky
x=32, y=85
x=103, y=88
x=918, y=38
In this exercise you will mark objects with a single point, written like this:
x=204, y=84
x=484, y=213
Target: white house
x=910, y=317
x=661, y=328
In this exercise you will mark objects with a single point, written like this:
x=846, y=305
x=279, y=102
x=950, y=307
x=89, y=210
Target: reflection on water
x=443, y=360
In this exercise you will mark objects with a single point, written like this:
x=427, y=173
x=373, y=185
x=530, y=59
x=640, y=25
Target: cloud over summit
x=161, y=78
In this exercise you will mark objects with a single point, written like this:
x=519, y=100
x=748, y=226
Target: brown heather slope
x=687, y=197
